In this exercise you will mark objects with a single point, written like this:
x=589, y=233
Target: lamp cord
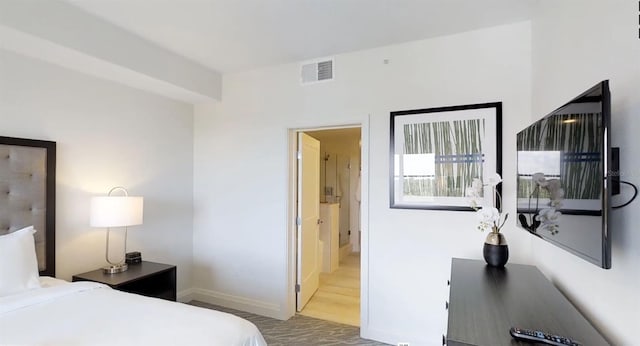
x=635, y=194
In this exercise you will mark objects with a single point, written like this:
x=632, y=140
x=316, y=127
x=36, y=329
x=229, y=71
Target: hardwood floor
x=338, y=296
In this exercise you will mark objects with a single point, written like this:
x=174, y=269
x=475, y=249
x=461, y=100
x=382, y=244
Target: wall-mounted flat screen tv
x=563, y=183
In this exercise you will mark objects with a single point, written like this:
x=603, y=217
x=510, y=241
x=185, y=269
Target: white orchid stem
x=536, y=191
x=506, y=216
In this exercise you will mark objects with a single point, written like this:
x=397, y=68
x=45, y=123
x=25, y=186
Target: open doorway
x=332, y=249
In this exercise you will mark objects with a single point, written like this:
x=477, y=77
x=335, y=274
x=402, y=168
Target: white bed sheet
x=88, y=313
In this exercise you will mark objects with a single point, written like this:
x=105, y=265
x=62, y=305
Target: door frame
x=291, y=246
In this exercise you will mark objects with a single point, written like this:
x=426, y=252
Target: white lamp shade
x=116, y=211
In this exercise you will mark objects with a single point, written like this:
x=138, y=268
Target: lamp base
x=116, y=268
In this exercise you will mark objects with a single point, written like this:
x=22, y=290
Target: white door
x=308, y=218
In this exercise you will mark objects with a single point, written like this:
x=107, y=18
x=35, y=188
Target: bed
x=36, y=308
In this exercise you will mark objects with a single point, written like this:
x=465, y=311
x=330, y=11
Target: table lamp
x=116, y=211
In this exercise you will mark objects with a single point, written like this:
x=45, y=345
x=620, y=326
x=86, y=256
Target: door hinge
x=297, y=288
x=299, y=221
x=299, y=155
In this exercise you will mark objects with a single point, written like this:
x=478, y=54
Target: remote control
x=542, y=337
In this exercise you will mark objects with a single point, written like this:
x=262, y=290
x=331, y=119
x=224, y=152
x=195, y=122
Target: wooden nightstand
x=146, y=278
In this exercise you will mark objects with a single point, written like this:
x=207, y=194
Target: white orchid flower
x=474, y=197
x=556, y=203
x=474, y=192
x=549, y=220
x=553, y=185
x=476, y=184
x=549, y=227
x=548, y=215
x=471, y=192
x=556, y=192
x=539, y=179
x=489, y=215
x=493, y=179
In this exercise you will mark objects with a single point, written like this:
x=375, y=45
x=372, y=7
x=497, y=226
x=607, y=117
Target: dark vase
x=495, y=250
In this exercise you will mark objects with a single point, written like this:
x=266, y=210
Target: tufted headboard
x=28, y=194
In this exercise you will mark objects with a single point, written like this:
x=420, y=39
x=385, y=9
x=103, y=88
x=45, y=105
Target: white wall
x=241, y=174
x=107, y=135
x=576, y=44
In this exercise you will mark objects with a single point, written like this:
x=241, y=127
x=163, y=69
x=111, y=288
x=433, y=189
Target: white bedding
x=87, y=313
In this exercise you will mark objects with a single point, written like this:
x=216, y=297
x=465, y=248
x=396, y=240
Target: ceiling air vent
x=318, y=71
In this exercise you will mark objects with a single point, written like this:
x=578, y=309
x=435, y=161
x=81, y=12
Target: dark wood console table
x=146, y=278
x=484, y=302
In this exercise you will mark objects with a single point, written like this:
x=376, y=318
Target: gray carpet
x=299, y=330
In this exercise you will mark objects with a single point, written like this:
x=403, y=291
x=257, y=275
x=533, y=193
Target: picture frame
x=28, y=173
x=435, y=154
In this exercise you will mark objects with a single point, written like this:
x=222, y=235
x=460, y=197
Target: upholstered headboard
x=28, y=195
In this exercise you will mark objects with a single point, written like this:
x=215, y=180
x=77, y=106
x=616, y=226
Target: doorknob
x=319, y=221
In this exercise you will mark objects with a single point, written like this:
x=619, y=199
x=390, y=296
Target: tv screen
x=563, y=185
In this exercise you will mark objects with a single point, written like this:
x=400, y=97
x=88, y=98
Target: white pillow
x=18, y=265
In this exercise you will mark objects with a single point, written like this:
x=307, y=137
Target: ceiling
x=234, y=35
x=349, y=133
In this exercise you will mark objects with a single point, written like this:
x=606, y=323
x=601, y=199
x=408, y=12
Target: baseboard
x=185, y=296
x=238, y=303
